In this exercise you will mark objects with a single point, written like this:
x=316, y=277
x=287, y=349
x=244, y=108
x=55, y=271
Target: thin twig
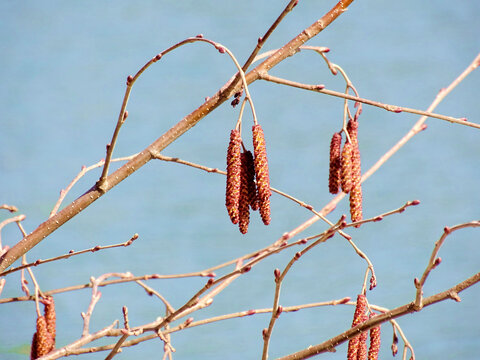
x=388, y=107
x=70, y=254
x=434, y=261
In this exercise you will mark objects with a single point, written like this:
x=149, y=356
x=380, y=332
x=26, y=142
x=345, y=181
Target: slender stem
x=393, y=108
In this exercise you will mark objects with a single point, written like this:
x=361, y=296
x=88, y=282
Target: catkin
x=374, y=348
x=50, y=317
x=42, y=342
x=244, y=201
x=358, y=317
x=346, y=167
x=356, y=174
x=252, y=187
x=233, y=176
x=334, y=175
x=261, y=173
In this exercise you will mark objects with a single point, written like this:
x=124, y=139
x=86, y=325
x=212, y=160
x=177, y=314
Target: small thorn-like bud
x=398, y=110
x=125, y=114
x=246, y=269
x=277, y=274
x=303, y=241
x=71, y=251
x=188, y=321
x=250, y=312
x=345, y=300
x=221, y=49
x=158, y=57
x=297, y=255
x=437, y=262
x=211, y=274
x=320, y=87
x=424, y=127
x=373, y=282
x=279, y=311
x=447, y=230
x=264, y=333
x=415, y=202
x=129, y=79
x=260, y=39
x=210, y=282
x=200, y=36
x=378, y=218
x=464, y=119
x=416, y=282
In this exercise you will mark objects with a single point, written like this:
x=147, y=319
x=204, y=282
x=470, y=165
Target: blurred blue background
x=63, y=67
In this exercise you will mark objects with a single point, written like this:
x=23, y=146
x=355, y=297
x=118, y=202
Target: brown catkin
x=50, y=317
x=362, y=342
x=244, y=201
x=334, y=181
x=261, y=173
x=356, y=212
x=356, y=198
x=252, y=187
x=233, y=175
x=374, y=348
x=346, y=166
x=42, y=342
x=358, y=317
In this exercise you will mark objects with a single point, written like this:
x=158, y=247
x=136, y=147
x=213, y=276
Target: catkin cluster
x=357, y=346
x=345, y=170
x=248, y=181
x=44, y=338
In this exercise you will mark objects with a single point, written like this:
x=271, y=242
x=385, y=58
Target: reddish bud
x=303, y=241
x=221, y=50
x=210, y=282
x=250, y=312
x=188, y=321
x=260, y=39
x=246, y=269
x=437, y=262
x=398, y=110
x=416, y=282
x=279, y=311
x=129, y=79
x=424, y=127
x=158, y=57
x=415, y=202
x=211, y=274
x=276, y=273
x=125, y=114
x=345, y=300
x=447, y=230
x=264, y=333
x=378, y=218
x=199, y=36
x=320, y=87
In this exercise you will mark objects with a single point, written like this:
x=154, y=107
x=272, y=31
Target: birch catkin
x=334, y=174
x=233, y=176
x=261, y=173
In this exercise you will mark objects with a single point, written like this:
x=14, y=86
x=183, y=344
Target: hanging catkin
x=233, y=175
x=334, y=175
x=261, y=173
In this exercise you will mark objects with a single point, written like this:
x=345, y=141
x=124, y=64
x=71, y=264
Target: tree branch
x=70, y=211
